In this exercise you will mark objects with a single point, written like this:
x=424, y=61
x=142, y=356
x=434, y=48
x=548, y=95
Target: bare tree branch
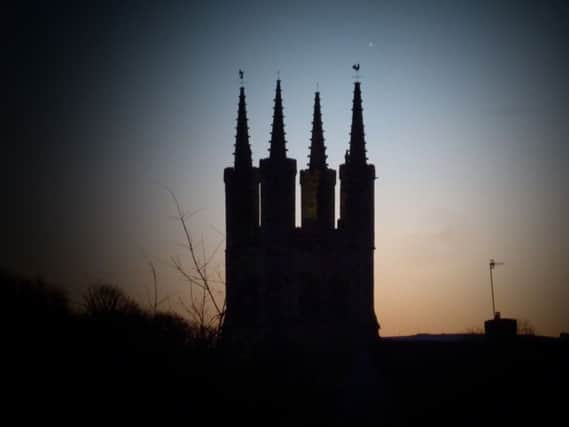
x=155, y=284
x=198, y=274
x=196, y=263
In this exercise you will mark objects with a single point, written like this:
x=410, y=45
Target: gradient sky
x=466, y=112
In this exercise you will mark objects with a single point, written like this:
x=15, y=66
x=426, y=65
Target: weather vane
x=356, y=67
x=241, y=76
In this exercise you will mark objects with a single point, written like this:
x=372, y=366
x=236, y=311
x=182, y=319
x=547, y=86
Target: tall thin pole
x=492, y=287
x=492, y=265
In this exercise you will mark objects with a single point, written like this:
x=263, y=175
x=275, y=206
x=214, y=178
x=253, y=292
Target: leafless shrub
x=204, y=308
x=104, y=299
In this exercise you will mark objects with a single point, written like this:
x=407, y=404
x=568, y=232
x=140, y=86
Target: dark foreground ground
x=469, y=382
x=68, y=368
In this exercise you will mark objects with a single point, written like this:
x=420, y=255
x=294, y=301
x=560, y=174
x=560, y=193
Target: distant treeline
x=105, y=357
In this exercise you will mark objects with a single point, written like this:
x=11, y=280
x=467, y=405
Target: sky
x=466, y=113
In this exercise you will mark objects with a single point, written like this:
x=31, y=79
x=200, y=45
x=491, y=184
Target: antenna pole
x=492, y=287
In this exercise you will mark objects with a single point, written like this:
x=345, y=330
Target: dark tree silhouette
x=105, y=299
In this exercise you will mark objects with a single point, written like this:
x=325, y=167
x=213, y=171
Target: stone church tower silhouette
x=314, y=281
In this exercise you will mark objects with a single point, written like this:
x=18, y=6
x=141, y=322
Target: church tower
x=311, y=284
x=278, y=190
x=318, y=181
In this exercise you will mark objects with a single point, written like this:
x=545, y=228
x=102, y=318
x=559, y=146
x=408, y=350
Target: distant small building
x=498, y=328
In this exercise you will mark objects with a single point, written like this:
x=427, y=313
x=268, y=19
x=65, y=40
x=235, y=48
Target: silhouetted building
x=315, y=281
x=500, y=328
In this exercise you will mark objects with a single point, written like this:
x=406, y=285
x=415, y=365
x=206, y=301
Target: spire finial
x=277, y=144
x=242, y=148
x=356, y=67
x=241, y=77
x=357, y=137
x=317, y=148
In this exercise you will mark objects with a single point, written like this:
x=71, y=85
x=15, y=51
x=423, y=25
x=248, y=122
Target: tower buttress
x=357, y=222
x=278, y=175
x=318, y=181
x=241, y=186
x=357, y=182
x=241, y=221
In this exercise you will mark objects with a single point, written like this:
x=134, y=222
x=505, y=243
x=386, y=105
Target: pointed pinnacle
x=277, y=144
x=357, y=136
x=242, y=148
x=317, y=148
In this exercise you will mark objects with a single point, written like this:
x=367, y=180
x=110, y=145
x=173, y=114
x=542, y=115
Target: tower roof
x=277, y=144
x=242, y=148
x=317, y=157
x=357, y=137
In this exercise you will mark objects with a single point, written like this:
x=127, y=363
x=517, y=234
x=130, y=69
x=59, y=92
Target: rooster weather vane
x=356, y=68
